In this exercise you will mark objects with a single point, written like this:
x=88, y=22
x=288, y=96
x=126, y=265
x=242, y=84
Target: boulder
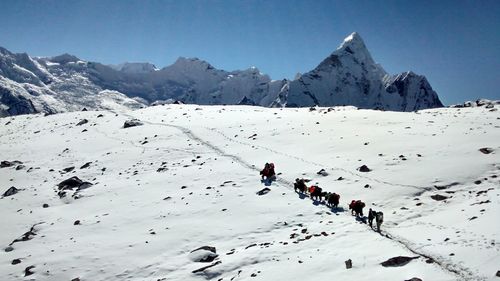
x=132, y=123
x=6, y=164
x=397, y=261
x=322, y=172
x=414, y=279
x=486, y=150
x=83, y=121
x=364, y=169
x=439, y=197
x=72, y=183
x=28, y=270
x=11, y=191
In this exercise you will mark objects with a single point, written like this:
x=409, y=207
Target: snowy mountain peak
x=348, y=76
x=353, y=45
x=353, y=39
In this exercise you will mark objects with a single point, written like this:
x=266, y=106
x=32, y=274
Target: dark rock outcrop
x=439, y=197
x=6, y=164
x=11, y=191
x=364, y=169
x=398, y=261
x=132, y=123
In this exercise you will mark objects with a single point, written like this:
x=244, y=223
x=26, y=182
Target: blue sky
x=456, y=44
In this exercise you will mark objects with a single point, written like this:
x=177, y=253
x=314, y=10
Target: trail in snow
x=423, y=188
x=459, y=271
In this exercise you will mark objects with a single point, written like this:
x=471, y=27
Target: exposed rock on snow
x=132, y=123
x=364, y=169
x=203, y=254
x=322, y=172
x=486, y=150
x=29, y=270
x=439, y=197
x=398, y=261
x=11, y=191
x=83, y=121
x=73, y=183
x=5, y=164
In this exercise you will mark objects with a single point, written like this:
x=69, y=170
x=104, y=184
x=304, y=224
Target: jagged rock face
x=349, y=76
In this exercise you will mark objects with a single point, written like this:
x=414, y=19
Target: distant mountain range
x=349, y=76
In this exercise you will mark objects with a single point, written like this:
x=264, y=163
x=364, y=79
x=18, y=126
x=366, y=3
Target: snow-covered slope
x=349, y=76
x=49, y=85
x=188, y=178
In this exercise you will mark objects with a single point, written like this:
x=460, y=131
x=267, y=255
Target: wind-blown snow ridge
x=349, y=76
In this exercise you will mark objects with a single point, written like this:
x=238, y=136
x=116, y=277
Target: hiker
x=268, y=172
x=371, y=216
x=379, y=218
x=300, y=185
x=356, y=207
x=333, y=200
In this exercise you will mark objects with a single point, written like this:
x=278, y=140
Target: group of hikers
x=331, y=199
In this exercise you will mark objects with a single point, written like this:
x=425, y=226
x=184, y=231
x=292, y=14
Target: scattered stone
x=206, y=267
x=77, y=222
x=473, y=218
x=322, y=172
x=263, y=191
x=397, y=261
x=69, y=169
x=28, y=270
x=8, y=249
x=438, y=197
x=6, y=164
x=20, y=167
x=86, y=165
x=498, y=274
x=132, y=123
x=477, y=182
x=486, y=150
x=414, y=279
x=367, y=186
x=340, y=178
x=15, y=261
x=100, y=115
x=45, y=205
x=83, y=121
x=364, y=169
x=11, y=191
x=348, y=264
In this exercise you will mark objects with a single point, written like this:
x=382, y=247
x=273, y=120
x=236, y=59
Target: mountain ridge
x=348, y=76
